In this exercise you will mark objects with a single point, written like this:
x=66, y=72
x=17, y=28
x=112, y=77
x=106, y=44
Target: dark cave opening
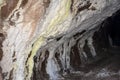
x=113, y=29
x=106, y=41
x=107, y=38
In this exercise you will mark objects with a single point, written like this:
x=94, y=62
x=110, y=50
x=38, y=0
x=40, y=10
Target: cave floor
x=107, y=68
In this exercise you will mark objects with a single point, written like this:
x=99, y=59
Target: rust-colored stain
x=24, y=2
x=7, y=9
x=34, y=11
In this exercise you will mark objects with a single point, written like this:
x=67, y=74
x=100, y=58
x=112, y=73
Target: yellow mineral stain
x=59, y=18
x=30, y=62
x=62, y=15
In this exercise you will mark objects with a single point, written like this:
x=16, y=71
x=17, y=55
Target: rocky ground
x=107, y=68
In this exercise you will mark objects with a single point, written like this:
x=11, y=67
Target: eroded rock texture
x=46, y=39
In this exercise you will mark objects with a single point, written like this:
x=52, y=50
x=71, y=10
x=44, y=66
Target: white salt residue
x=90, y=45
x=103, y=73
x=52, y=69
x=89, y=73
x=78, y=72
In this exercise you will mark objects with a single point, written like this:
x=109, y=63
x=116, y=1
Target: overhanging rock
x=39, y=35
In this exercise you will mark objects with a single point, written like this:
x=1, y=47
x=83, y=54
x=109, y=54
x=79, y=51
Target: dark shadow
x=113, y=29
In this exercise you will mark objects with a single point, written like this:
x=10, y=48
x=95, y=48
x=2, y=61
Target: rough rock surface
x=38, y=35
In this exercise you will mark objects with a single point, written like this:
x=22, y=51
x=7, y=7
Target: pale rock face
x=32, y=26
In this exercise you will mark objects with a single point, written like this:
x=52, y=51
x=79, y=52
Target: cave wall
x=46, y=28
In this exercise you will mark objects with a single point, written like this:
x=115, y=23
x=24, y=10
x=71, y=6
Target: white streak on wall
x=90, y=45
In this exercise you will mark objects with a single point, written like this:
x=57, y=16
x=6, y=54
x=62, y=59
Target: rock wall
x=45, y=29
